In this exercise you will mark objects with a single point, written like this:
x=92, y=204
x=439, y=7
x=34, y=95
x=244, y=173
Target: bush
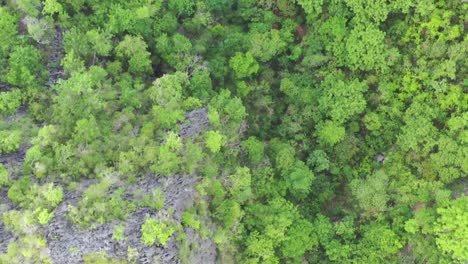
x=4, y=176
x=28, y=249
x=153, y=230
x=19, y=190
x=100, y=258
x=119, y=233
x=189, y=219
x=155, y=200
x=98, y=206
x=10, y=101
x=9, y=141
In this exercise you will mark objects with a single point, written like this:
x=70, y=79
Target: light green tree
x=153, y=231
x=240, y=185
x=244, y=65
x=452, y=229
x=371, y=193
x=254, y=149
x=9, y=141
x=26, y=66
x=10, y=101
x=366, y=49
x=134, y=50
x=330, y=132
x=342, y=100
x=214, y=141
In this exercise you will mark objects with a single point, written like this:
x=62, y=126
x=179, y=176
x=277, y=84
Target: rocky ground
x=67, y=243
x=55, y=52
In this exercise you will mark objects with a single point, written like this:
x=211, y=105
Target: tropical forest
x=233, y=131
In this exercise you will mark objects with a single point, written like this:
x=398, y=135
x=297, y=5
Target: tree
x=418, y=134
x=168, y=23
x=336, y=130
x=78, y=98
x=299, y=179
x=201, y=84
x=229, y=213
x=378, y=242
x=372, y=192
x=283, y=155
x=300, y=238
x=330, y=132
x=26, y=66
x=230, y=110
x=52, y=7
x=218, y=5
x=169, y=156
x=260, y=249
x=254, y=149
x=448, y=161
x=52, y=195
x=175, y=51
x=372, y=121
x=100, y=204
x=214, y=141
x=29, y=7
x=182, y=7
x=8, y=31
x=193, y=157
x=266, y=46
x=376, y=11
x=240, y=185
x=311, y=8
x=244, y=65
x=166, y=96
x=318, y=159
x=452, y=229
x=366, y=49
x=86, y=130
x=342, y=100
x=134, y=50
x=100, y=43
x=190, y=219
x=276, y=228
x=27, y=249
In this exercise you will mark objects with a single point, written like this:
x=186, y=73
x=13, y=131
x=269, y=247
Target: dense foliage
x=337, y=129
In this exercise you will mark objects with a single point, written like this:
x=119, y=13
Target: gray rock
x=67, y=243
x=197, y=123
x=380, y=158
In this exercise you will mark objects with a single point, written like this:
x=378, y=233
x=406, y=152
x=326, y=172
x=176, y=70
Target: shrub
x=119, y=233
x=153, y=230
x=189, y=219
x=4, y=176
x=9, y=141
x=10, y=101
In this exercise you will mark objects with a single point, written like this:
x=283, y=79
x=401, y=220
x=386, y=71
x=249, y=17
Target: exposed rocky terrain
x=55, y=57
x=67, y=243
x=197, y=122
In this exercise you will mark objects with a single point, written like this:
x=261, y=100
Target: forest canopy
x=233, y=131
